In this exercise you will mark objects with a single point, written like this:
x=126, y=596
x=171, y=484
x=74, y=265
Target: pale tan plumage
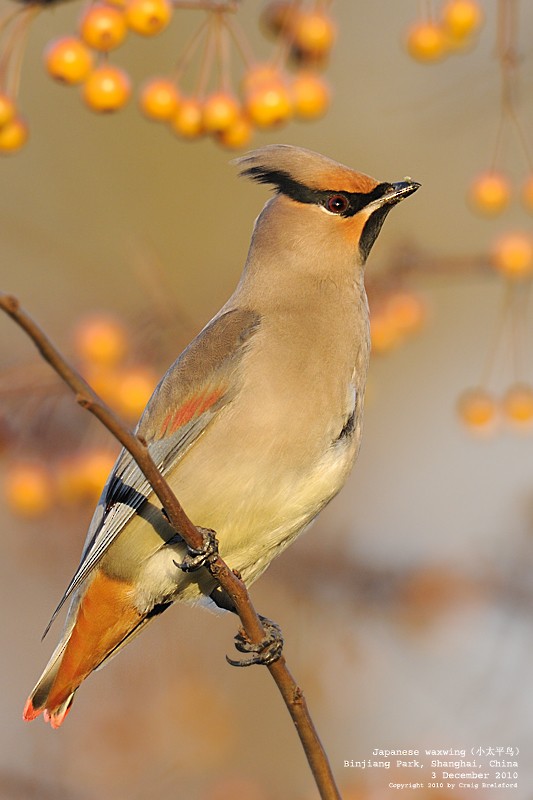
x=257, y=424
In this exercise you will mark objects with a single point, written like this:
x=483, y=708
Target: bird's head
x=336, y=202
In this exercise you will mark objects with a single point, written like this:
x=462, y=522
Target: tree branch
x=227, y=579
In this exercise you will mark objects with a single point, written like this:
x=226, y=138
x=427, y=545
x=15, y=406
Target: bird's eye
x=337, y=203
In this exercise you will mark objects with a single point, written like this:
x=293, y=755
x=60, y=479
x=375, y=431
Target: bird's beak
x=400, y=190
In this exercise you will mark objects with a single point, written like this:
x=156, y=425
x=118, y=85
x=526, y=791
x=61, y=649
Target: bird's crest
x=291, y=169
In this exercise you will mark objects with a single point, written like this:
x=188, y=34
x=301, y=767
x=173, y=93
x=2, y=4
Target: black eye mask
x=354, y=201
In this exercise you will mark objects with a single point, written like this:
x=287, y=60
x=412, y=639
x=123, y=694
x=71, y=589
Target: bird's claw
x=265, y=652
x=204, y=556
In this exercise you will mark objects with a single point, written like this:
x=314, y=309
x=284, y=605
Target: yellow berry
x=512, y=255
x=220, y=111
x=28, y=489
x=426, y=42
x=490, y=193
x=7, y=109
x=148, y=17
x=310, y=95
x=238, y=135
x=104, y=380
x=159, y=99
x=406, y=311
x=68, y=60
x=188, y=121
x=13, y=136
x=103, y=26
x=279, y=17
x=477, y=409
x=384, y=335
x=269, y=104
x=134, y=389
x=517, y=405
x=82, y=477
x=95, y=469
x=101, y=340
x=107, y=88
x=313, y=32
x=462, y=18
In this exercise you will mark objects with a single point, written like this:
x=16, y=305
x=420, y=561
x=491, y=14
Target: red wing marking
x=193, y=407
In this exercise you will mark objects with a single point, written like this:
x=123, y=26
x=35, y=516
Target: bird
x=255, y=426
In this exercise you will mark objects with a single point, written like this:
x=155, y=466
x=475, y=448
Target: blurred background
x=406, y=608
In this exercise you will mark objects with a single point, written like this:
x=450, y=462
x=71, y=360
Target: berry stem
x=6, y=21
x=189, y=51
x=519, y=327
x=18, y=54
x=286, y=42
x=207, y=56
x=223, y=53
x=427, y=11
x=241, y=42
x=507, y=53
x=497, y=336
x=498, y=144
x=11, y=59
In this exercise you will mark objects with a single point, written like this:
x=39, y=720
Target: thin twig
x=230, y=583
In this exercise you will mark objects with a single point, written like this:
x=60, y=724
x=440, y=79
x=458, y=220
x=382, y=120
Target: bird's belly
x=254, y=522
x=256, y=506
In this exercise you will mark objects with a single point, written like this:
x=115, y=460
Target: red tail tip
x=30, y=712
x=57, y=717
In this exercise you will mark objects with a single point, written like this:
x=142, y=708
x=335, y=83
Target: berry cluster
x=489, y=195
x=491, y=192
x=205, y=93
x=482, y=412
x=265, y=94
x=102, y=350
x=32, y=486
x=511, y=253
x=431, y=39
x=84, y=59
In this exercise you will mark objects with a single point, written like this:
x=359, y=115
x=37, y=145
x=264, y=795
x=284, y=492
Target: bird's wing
x=195, y=388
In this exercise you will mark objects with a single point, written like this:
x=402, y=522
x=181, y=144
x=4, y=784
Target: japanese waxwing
x=256, y=426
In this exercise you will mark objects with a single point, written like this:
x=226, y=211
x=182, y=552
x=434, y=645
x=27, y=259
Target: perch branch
x=230, y=583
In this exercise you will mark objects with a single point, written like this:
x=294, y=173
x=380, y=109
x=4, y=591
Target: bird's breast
x=305, y=375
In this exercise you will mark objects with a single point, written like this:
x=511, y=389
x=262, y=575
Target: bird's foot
x=202, y=557
x=264, y=652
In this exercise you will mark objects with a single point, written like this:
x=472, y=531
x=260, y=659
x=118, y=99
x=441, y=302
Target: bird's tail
x=99, y=623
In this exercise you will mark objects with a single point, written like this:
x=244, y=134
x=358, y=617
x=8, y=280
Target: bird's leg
x=264, y=652
x=202, y=557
